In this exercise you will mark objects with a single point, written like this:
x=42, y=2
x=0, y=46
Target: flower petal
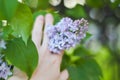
x=81, y=2
x=54, y=2
x=70, y=3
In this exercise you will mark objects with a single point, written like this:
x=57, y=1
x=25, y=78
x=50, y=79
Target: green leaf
x=32, y=3
x=80, y=51
x=22, y=22
x=25, y=57
x=95, y=3
x=80, y=65
x=1, y=24
x=43, y=4
x=56, y=16
x=8, y=8
x=88, y=36
x=2, y=14
x=7, y=30
x=78, y=9
x=65, y=62
x=85, y=70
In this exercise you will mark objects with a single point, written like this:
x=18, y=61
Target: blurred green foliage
x=20, y=55
x=96, y=58
x=22, y=22
x=8, y=9
x=78, y=9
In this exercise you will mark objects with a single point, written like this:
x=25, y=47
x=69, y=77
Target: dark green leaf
x=82, y=52
x=57, y=17
x=22, y=22
x=0, y=24
x=88, y=35
x=43, y=4
x=7, y=30
x=2, y=12
x=65, y=62
x=85, y=70
x=82, y=68
x=8, y=8
x=79, y=10
x=32, y=3
x=22, y=56
x=95, y=3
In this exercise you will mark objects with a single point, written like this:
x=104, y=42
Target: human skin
x=49, y=64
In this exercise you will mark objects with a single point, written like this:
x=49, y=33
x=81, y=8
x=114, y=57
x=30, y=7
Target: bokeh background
x=104, y=25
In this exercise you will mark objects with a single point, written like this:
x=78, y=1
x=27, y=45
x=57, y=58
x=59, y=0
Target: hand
x=49, y=64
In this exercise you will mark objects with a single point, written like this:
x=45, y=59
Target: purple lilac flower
x=4, y=70
x=2, y=44
x=66, y=34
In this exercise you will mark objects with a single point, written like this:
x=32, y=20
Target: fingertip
x=39, y=22
x=37, y=30
x=64, y=75
x=40, y=18
x=48, y=15
x=48, y=19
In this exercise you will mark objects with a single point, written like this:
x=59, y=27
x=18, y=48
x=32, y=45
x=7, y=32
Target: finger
x=64, y=75
x=18, y=75
x=15, y=78
x=37, y=31
x=58, y=58
x=48, y=21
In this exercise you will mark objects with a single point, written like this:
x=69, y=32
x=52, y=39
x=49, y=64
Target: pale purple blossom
x=66, y=34
x=2, y=44
x=4, y=70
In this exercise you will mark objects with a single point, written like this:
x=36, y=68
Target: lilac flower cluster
x=66, y=34
x=4, y=70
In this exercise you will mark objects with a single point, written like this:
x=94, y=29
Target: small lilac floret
x=4, y=70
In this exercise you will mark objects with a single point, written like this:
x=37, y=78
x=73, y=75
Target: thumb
x=15, y=78
x=18, y=75
x=64, y=75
